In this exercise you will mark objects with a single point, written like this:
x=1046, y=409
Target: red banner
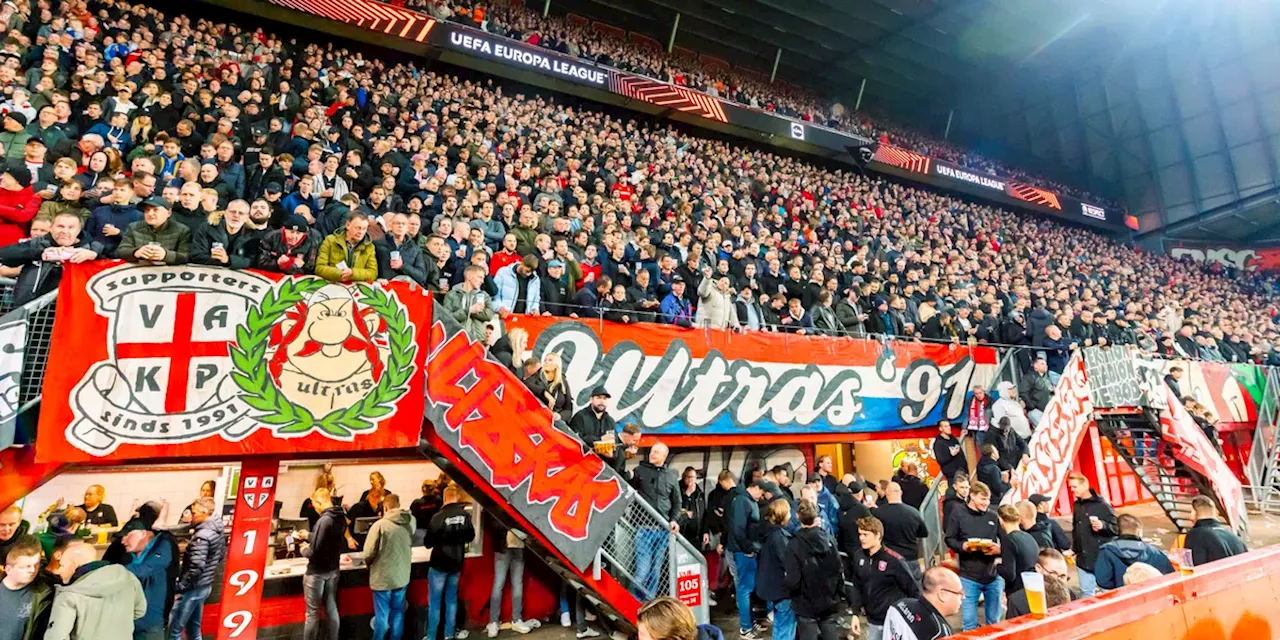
x=169, y=362
x=247, y=550
x=1192, y=447
x=1054, y=444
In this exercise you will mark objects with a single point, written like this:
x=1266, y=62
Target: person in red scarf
x=977, y=421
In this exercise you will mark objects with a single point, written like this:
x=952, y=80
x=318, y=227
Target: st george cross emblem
x=198, y=352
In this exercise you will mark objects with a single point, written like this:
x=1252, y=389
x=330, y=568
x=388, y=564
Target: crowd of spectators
x=167, y=140
x=614, y=48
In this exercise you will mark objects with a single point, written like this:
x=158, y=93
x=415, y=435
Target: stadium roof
x=913, y=53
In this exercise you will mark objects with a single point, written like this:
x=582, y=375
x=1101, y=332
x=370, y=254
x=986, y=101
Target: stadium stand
x=205, y=114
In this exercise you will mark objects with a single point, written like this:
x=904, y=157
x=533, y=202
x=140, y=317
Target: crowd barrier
x=1231, y=599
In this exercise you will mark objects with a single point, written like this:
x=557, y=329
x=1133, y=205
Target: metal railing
x=935, y=544
x=645, y=556
x=1263, y=467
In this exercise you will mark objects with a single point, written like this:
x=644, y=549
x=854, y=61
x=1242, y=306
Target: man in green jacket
x=156, y=239
x=98, y=600
x=469, y=304
x=14, y=136
x=25, y=597
x=347, y=255
x=388, y=553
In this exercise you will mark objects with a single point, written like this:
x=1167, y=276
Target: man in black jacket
x=925, y=618
x=660, y=488
x=41, y=258
x=742, y=541
x=228, y=242
x=320, y=583
x=1093, y=524
x=448, y=535
x=593, y=421
x=902, y=529
x=1018, y=549
x=989, y=472
x=399, y=255
x=1036, y=390
x=1046, y=531
x=1209, y=539
x=814, y=579
x=881, y=576
x=555, y=291
x=973, y=534
x=947, y=451
x=205, y=552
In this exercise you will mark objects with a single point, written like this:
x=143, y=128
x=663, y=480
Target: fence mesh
x=639, y=552
x=36, y=354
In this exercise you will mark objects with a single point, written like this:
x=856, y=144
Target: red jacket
x=17, y=208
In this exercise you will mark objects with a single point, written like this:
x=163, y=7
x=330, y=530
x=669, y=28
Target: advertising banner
x=489, y=419
x=673, y=381
x=160, y=362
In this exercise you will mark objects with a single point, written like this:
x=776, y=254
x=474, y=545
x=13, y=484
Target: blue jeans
x=651, y=553
x=320, y=593
x=1088, y=583
x=503, y=561
x=746, y=585
x=186, y=613
x=784, y=621
x=442, y=585
x=388, y=613
x=579, y=610
x=990, y=592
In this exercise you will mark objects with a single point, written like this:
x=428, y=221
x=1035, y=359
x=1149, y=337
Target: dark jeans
x=828, y=628
x=186, y=613
x=321, y=590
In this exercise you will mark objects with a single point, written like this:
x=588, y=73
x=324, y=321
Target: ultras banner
x=166, y=362
x=674, y=381
x=488, y=420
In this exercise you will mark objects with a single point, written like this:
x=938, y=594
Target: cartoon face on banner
x=195, y=354
x=679, y=382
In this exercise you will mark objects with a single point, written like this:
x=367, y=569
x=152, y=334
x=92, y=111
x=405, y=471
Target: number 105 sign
x=689, y=584
x=247, y=551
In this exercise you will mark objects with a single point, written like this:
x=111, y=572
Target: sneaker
x=462, y=634
x=520, y=627
x=589, y=633
x=532, y=623
x=760, y=627
x=711, y=602
x=591, y=617
x=565, y=621
x=491, y=630
x=748, y=635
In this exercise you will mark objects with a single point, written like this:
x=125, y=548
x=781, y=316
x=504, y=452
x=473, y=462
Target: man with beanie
x=18, y=202
x=290, y=249
x=14, y=136
x=388, y=553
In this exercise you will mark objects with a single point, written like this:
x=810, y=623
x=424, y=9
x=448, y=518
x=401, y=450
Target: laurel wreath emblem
x=249, y=365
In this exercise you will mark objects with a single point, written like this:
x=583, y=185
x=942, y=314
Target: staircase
x=492, y=436
x=1135, y=435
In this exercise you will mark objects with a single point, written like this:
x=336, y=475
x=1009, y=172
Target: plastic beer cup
x=1033, y=585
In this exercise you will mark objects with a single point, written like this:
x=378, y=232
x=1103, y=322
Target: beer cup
x=1033, y=586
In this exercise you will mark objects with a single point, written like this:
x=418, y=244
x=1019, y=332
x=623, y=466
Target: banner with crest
x=158, y=362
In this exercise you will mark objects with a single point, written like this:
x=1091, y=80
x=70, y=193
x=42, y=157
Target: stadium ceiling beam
x=842, y=38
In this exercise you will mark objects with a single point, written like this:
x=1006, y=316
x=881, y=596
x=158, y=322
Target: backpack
x=822, y=578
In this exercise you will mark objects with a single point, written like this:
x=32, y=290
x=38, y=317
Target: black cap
x=676, y=278
x=20, y=173
x=1039, y=499
x=258, y=130
x=272, y=187
x=154, y=201
x=600, y=391
x=295, y=222
x=18, y=117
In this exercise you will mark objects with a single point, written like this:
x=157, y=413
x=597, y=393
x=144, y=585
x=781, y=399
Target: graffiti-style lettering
x=1054, y=443
x=511, y=433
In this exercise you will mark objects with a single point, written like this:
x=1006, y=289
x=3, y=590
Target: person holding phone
x=65, y=242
